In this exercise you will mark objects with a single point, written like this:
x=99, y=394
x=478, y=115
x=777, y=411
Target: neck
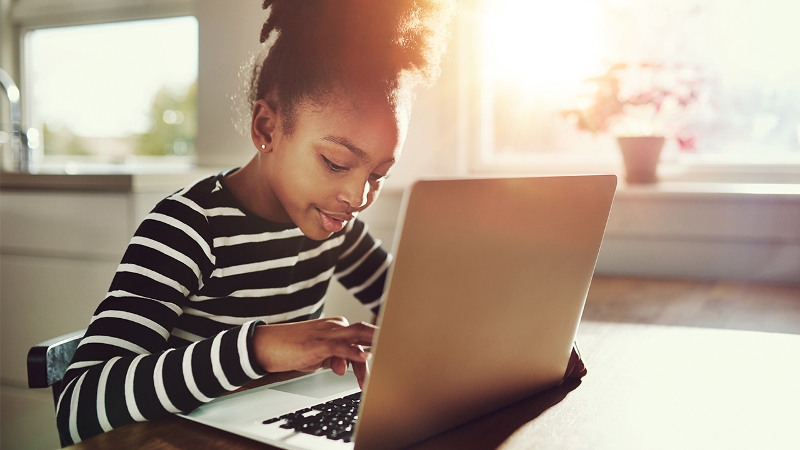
x=252, y=189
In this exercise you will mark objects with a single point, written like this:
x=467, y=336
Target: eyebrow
x=361, y=154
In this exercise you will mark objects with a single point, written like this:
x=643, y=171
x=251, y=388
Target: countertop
x=131, y=182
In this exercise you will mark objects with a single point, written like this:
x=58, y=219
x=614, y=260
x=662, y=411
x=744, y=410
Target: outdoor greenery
x=62, y=141
x=173, y=124
x=172, y=129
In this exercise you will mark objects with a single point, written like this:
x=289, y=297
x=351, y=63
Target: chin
x=320, y=236
x=316, y=233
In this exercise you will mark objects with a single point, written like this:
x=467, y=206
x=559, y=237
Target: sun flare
x=543, y=47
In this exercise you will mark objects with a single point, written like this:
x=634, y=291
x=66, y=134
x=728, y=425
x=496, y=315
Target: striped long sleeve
x=175, y=329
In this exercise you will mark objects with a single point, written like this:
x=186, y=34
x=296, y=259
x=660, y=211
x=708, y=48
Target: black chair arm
x=48, y=360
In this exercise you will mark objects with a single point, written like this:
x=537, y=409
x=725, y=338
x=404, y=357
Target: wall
x=228, y=36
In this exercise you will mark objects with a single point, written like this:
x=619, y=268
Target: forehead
x=370, y=121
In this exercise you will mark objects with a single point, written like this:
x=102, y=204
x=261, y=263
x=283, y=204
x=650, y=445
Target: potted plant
x=642, y=104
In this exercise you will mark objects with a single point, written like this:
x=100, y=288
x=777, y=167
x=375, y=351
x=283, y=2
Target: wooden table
x=648, y=387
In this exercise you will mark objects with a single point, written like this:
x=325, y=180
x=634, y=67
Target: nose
x=355, y=194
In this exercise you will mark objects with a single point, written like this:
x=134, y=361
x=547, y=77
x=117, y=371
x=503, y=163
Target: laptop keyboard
x=334, y=419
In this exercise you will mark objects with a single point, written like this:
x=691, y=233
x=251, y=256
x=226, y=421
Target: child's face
x=333, y=164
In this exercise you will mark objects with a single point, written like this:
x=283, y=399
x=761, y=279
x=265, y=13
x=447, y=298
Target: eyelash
x=333, y=167
x=339, y=169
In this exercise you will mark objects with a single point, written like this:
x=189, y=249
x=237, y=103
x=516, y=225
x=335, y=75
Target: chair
x=48, y=361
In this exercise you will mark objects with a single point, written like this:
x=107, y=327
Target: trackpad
x=320, y=385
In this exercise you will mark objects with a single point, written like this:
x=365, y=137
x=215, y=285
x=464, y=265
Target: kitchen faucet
x=21, y=153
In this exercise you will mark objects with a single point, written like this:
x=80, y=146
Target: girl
x=223, y=281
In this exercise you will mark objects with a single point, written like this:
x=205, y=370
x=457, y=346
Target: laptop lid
x=484, y=300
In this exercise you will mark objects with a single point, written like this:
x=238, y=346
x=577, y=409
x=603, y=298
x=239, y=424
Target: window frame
x=29, y=15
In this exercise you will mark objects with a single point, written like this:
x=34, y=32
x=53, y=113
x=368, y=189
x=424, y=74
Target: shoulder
x=351, y=231
x=199, y=199
x=206, y=193
x=354, y=236
x=188, y=209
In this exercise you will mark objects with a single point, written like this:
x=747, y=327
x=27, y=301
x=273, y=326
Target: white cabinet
x=58, y=253
x=59, y=250
x=748, y=232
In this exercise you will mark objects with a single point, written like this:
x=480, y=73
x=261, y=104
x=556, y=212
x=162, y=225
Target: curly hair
x=313, y=48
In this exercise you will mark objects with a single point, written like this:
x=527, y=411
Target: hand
x=310, y=345
x=575, y=367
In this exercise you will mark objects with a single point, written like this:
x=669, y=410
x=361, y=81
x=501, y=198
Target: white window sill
x=672, y=168
x=710, y=190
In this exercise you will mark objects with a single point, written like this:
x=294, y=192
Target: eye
x=333, y=167
x=378, y=177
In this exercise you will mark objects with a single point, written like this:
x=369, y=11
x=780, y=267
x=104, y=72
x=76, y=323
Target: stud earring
x=263, y=146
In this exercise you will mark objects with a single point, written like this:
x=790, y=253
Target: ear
x=263, y=125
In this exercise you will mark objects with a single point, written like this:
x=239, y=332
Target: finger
x=338, y=365
x=361, y=371
x=326, y=363
x=356, y=334
x=343, y=350
x=333, y=322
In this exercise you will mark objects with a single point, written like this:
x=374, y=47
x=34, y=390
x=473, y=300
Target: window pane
x=113, y=91
x=719, y=76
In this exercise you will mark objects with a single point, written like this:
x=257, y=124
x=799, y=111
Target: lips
x=332, y=222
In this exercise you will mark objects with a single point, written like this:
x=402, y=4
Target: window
x=117, y=93
x=735, y=55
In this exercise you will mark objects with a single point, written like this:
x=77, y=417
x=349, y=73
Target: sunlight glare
x=100, y=79
x=543, y=46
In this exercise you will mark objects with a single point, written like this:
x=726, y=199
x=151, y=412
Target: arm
x=123, y=370
x=332, y=343
x=310, y=345
x=363, y=266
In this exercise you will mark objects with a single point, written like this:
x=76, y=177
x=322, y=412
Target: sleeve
x=123, y=370
x=363, y=266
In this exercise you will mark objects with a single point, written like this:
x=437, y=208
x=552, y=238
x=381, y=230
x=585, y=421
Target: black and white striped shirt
x=175, y=329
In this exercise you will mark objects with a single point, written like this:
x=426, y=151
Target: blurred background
x=124, y=101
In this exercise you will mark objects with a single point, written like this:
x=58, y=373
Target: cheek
x=374, y=190
x=298, y=186
x=307, y=176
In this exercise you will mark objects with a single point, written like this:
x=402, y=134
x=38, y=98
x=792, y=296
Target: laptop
x=482, y=306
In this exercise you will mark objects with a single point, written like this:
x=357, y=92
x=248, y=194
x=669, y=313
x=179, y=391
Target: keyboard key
x=334, y=419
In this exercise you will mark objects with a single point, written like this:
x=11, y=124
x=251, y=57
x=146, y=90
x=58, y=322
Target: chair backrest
x=48, y=361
